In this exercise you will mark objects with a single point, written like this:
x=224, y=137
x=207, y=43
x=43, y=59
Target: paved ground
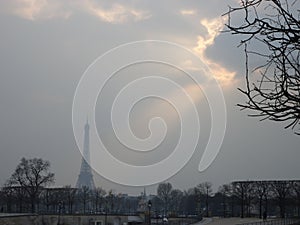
x=226, y=221
x=14, y=214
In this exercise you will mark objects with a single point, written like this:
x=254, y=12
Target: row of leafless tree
x=262, y=195
x=243, y=198
x=66, y=200
x=26, y=191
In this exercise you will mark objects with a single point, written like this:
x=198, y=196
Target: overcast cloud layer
x=46, y=46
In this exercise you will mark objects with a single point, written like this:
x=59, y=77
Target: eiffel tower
x=85, y=177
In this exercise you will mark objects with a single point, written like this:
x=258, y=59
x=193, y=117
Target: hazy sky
x=46, y=46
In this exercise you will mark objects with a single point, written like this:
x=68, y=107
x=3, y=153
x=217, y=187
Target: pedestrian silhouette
x=265, y=215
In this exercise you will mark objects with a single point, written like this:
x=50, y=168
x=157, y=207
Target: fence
x=287, y=221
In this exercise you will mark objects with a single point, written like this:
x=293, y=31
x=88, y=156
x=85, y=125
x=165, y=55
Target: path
x=226, y=221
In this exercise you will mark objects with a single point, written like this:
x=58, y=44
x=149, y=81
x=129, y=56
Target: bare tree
x=240, y=190
x=46, y=199
x=98, y=197
x=272, y=29
x=164, y=193
x=84, y=197
x=70, y=196
x=226, y=191
x=296, y=193
x=111, y=200
x=21, y=196
x=32, y=175
x=249, y=198
x=205, y=189
x=194, y=196
x=175, y=201
x=7, y=194
x=281, y=190
x=262, y=189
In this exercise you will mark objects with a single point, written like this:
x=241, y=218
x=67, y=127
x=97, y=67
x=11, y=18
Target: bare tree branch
x=275, y=25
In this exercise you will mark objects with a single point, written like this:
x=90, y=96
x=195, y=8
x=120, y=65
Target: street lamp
x=106, y=203
x=59, y=212
x=149, y=208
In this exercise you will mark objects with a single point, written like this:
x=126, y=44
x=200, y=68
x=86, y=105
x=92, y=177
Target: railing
x=287, y=221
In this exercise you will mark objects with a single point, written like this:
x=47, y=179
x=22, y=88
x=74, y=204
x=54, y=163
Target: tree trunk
x=232, y=206
x=32, y=202
x=84, y=205
x=282, y=209
x=242, y=204
x=260, y=207
x=21, y=206
x=71, y=208
x=224, y=206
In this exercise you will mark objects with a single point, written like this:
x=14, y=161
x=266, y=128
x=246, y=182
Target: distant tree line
x=276, y=198
x=272, y=197
x=27, y=190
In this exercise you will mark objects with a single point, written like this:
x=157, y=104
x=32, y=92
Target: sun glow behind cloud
x=119, y=13
x=213, y=28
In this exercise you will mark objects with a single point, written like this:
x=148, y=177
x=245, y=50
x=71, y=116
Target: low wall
x=32, y=219
x=62, y=220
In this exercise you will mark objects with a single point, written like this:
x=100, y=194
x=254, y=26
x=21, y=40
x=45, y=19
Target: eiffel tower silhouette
x=85, y=177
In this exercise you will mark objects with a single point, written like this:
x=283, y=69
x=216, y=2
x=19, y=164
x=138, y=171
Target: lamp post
x=106, y=211
x=59, y=212
x=149, y=210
